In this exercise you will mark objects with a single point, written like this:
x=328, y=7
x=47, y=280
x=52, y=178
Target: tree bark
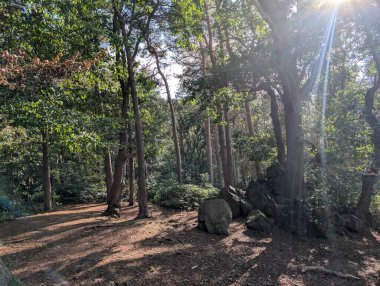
x=276, y=126
x=217, y=155
x=368, y=186
x=131, y=179
x=142, y=195
x=222, y=148
x=46, y=183
x=172, y=117
x=230, y=164
x=114, y=203
x=258, y=168
x=294, y=165
x=209, y=151
x=108, y=173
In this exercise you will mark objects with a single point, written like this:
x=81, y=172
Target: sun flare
x=333, y=2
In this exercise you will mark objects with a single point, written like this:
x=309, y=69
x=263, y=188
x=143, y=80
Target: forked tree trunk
x=114, y=203
x=209, y=150
x=108, y=173
x=131, y=179
x=142, y=195
x=46, y=183
x=276, y=126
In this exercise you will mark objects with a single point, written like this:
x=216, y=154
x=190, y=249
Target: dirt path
x=75, y=246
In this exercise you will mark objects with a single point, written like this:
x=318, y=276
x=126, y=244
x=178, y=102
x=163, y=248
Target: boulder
x=246, y=207
x=214, y=216
x=258, y=221
x=292, y=217
x=275, y=181
x=258, y=194
x=270, y=209
x=233, y=198
x=352, y=223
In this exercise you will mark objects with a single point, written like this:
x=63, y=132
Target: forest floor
x=76, y=246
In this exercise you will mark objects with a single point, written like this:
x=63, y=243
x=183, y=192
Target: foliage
x=170, y=194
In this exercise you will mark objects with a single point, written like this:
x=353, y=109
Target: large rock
x=293, y=217
x=352, y=223
x=214, y=216
x=275, y=181
x=246, y=207
x=233, y=197
x=258, y=221
x=258, y=194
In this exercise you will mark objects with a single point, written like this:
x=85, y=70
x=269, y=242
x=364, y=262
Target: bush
x=180, y=196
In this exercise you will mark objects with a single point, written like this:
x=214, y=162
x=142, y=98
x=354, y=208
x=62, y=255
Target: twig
x=328, y=271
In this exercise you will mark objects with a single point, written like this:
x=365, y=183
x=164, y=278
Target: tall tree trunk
x=221, y=130
x=131, y=179
x=172, y=117
x=276, y=126
x=259, y=172
x=108, y=173
x=217, y=155
x=294, y=165
x=46, y=183
x=369, y=180
x=230, y=164
x=209, y=150
x=222, y=148
x=142, y=195
x=114, y=203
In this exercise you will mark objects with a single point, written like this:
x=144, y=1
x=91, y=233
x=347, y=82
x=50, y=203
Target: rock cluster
x=263, y=206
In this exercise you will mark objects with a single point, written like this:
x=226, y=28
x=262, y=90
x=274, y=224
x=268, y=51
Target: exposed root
x=143, y=214
x=328, y=271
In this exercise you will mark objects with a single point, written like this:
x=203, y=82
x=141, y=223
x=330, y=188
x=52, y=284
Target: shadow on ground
x=76, y=246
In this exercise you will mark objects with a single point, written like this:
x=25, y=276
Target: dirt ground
x=76, y=246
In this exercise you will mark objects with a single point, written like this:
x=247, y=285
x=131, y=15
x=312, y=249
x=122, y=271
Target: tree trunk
x=217, y=155
x=114, y=204
x=46, y=183
x=276, y=126
x=108, y=172
x=259, y=172
x=294, y=165
x=368, y=186
x=131, y=179
x=209, y=150
x=222, y=148
x=142, y=195
x=230, y=164
x=172, y=117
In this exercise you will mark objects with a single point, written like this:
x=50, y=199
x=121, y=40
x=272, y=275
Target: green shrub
x=180, y=196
